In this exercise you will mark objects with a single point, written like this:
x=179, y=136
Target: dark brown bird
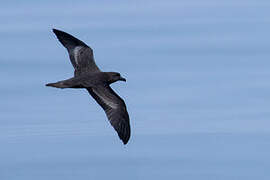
x=87, y=75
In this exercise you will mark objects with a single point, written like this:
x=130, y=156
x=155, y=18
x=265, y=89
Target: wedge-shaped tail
x=58, y=85
x=70, y=83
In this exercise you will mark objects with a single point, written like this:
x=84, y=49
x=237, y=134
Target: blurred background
x=197, y=90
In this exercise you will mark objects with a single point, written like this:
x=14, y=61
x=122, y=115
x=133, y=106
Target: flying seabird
x=87, y=75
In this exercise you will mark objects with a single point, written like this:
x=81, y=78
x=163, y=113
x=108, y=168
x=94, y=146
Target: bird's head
x=115, y=76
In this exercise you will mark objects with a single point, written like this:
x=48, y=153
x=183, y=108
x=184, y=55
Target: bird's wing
x=80, y=54
x=114, y=108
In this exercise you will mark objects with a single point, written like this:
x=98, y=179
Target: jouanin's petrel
x=87, y=75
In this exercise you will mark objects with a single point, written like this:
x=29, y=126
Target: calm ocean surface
x=197, y=91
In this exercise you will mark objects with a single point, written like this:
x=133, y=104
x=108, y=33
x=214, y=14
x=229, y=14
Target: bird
x=87, y=75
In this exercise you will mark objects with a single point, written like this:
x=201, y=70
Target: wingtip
x=67, y=39
x=123, y=132
x=125, y=139
x=55, y=31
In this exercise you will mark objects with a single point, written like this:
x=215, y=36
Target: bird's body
x=87, y=75
x=85, y=80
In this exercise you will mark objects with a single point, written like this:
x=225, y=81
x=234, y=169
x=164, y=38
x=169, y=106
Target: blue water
x=197, y=90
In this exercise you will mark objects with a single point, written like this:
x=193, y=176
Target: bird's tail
x=59, y=84
x=69, y=83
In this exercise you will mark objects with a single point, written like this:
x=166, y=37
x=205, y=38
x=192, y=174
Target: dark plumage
x=87, y=75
